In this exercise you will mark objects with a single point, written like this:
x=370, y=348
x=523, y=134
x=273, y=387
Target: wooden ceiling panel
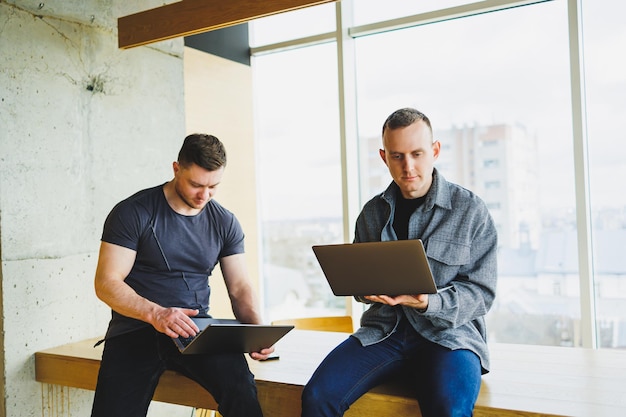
x=189, y=17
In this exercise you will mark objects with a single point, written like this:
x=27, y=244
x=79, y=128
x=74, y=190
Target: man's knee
x=314, y=400
x=310, y=394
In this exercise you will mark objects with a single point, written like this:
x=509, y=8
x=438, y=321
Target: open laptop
x=376, y=268
x=225, y=335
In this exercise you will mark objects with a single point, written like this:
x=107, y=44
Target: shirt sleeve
x=124, y=225
x=233, y=236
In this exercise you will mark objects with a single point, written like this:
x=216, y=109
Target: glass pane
x=371, y=11
x=605, y=72
x=299, y=166
x=293, y=25
x=498, y=96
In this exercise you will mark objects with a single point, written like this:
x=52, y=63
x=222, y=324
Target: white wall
x=83, y=124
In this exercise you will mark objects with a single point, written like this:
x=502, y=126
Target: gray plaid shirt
x=461, y=242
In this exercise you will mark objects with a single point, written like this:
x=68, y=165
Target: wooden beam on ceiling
x=189, y=17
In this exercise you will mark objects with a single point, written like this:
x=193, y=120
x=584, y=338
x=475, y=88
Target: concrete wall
x=82, y=125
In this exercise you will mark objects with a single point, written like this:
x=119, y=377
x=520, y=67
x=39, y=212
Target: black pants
x=133, y=363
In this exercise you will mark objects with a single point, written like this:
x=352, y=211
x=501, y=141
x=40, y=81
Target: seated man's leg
x=449, y=381
x=129, y=373
x=227, y=377
x=348, y=372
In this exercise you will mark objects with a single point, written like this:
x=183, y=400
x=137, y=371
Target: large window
x=497, y=85
x=299, y=167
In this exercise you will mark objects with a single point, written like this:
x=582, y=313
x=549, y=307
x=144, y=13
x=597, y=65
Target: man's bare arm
x=114, y=265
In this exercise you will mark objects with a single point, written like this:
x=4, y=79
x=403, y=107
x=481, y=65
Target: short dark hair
x=405, y=117
x=203, y=150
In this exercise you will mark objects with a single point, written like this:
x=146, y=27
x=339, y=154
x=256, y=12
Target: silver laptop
x=230, y=336
x=396, y=267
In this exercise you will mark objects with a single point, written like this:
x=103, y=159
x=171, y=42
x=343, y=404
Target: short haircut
x=203, y=150
x=405, y=117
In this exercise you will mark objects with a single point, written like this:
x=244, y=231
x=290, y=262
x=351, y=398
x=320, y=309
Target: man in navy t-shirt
x=158, y=249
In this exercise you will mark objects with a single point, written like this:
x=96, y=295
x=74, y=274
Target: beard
x=189, y=201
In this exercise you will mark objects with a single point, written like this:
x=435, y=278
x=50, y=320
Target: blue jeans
x=132, y=364
x=445, y=382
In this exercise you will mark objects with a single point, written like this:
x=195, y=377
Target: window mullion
x=581, y=172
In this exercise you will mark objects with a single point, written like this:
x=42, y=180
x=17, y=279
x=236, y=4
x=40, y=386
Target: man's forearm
x=124, y=300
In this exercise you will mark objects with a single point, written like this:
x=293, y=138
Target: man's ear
x=382, y=154
x=436, y=149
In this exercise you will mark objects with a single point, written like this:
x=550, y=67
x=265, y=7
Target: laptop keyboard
x=186, y=340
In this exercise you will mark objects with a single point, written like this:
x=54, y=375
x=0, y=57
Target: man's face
x=196, y=186
x=410, y=154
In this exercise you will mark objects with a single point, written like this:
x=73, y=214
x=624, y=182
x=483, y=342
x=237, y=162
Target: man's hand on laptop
x=419, y=301
x=175, y=322
x=263, y=354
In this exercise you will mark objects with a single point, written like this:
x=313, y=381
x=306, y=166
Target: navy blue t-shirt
x=175, y=253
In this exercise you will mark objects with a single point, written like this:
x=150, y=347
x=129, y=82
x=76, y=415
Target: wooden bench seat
x=525, y=380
